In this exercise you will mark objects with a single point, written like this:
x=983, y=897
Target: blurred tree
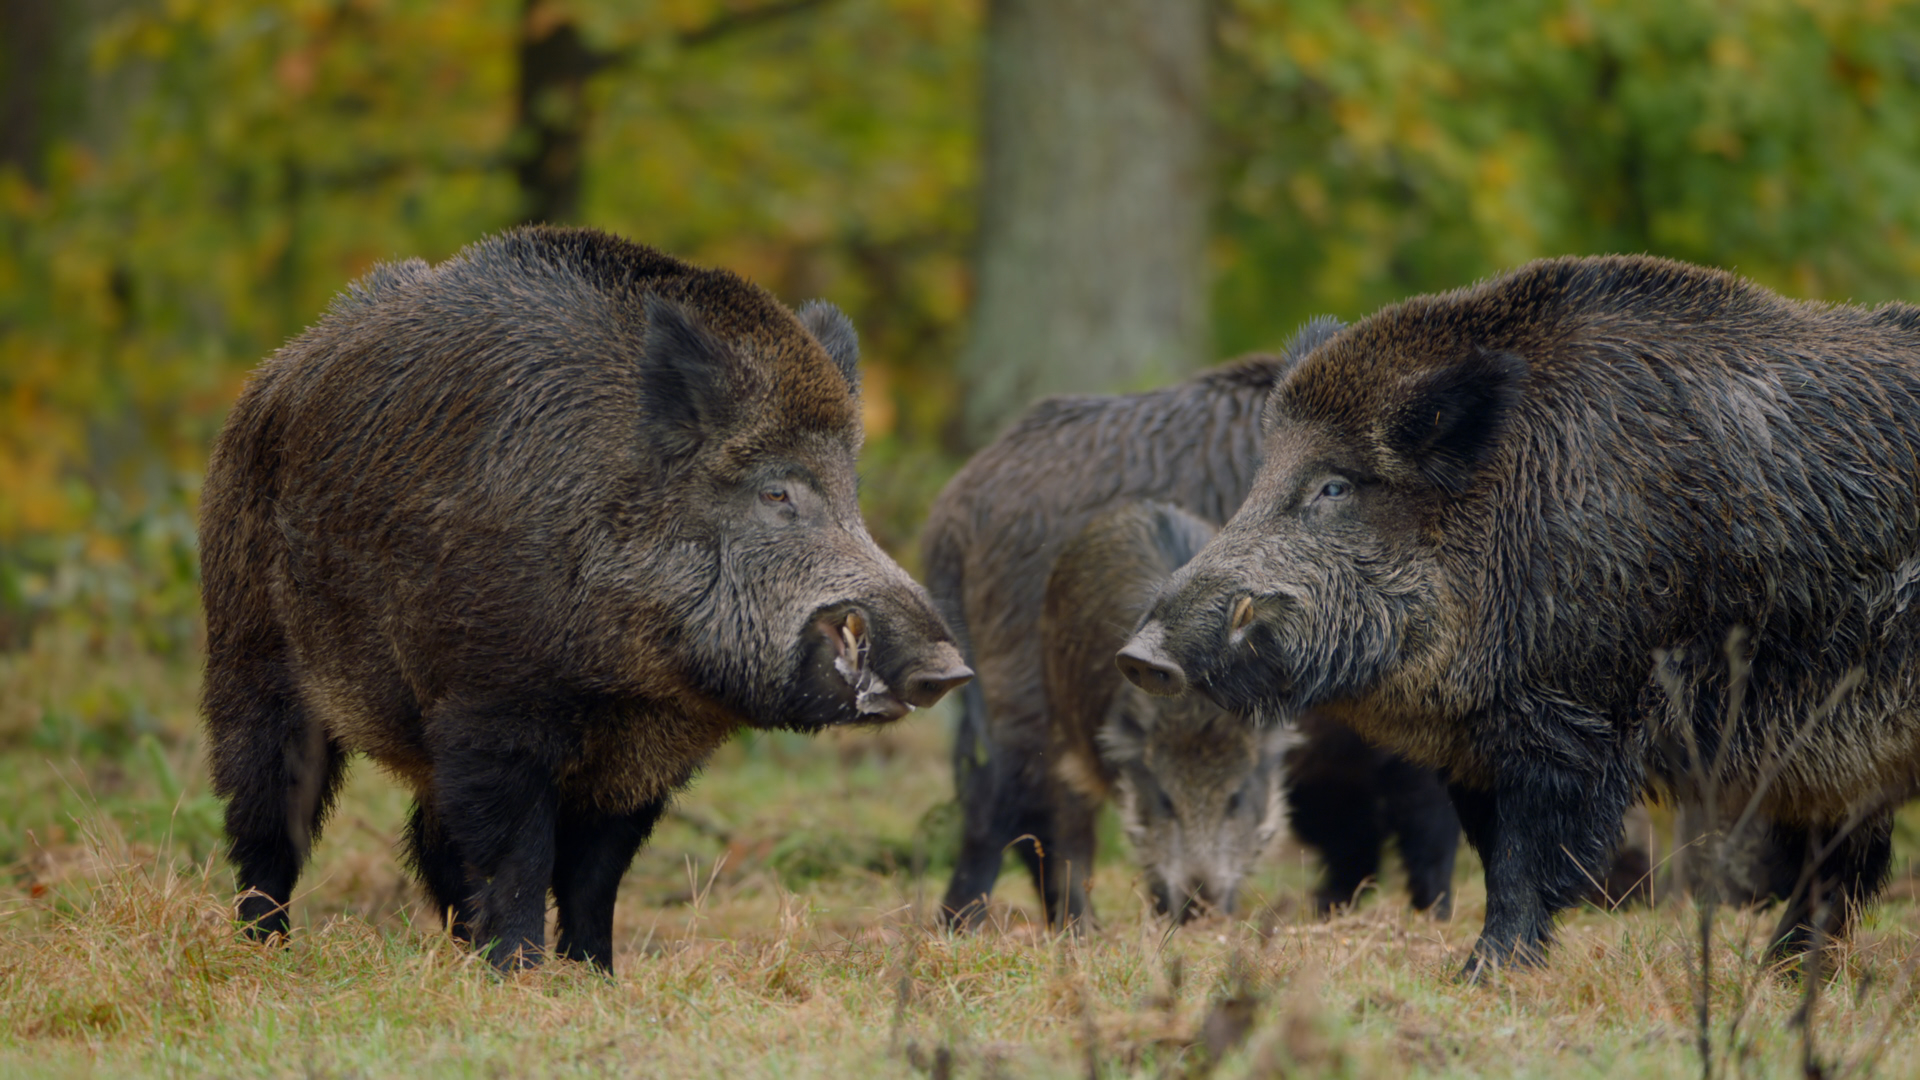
x=29, y=38
x=185, y=183
x=550, y=128
x=1377, y=148
x=230, y=164
x=552, y=112
x=1093, y=204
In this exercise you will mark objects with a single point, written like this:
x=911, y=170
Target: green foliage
x=239, y=162
x=219, y=168
x=1390, y=147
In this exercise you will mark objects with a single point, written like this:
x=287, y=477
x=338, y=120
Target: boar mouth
x=855, y=665
x=1191, y=904
x=873, y=700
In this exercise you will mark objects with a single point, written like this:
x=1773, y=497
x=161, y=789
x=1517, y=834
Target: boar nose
x=924, y=690
x=931, y=683
x=1146, y=664
x=1202, y=898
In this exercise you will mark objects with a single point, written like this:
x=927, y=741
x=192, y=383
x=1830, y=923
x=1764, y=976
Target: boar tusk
x=1242, y=613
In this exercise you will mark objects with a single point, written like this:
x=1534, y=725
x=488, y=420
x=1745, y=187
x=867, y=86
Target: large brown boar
x=537, y=529
x=995, y=534
x=1510, y=532
x=1199, y=791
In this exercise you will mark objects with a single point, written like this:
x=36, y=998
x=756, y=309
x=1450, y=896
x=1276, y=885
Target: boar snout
x=887, y=665
x=1192, y=901
x=1145, y=663
x=944, y=671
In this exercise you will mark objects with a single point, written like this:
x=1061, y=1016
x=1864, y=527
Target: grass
x=776, y=926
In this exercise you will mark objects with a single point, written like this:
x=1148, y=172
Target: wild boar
x=1593, y=525
x=537, y=529
x=1199, y=791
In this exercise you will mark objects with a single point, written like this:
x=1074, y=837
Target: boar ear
x=686, y=385
x=1312, y=334
x=1454, y=416
x=834, y=331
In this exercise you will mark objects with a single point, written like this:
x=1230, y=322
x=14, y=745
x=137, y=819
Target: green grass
x=777, y=927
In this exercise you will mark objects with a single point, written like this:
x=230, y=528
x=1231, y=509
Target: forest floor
x=780, y=925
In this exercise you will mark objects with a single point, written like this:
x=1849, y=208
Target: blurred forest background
x=185, y=183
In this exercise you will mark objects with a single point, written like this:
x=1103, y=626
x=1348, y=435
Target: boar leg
x=279, y=774
x=1061, y=874
x=1333, y=809
x=1544, y=837
x=1423, y=824
x=592, y=854
x=442, y=873
x=1824, y=894
x=999, y=805
x=499, y=809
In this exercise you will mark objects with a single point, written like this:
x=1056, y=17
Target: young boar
x=537, y=529
x=1541, y=531
x=1199, y=791
x=996, y=532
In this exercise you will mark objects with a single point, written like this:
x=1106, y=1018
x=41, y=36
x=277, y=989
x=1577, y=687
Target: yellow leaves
x=1309, y=49
x=878, y=412
x=546, y=16
x=1502, y=203
x=1496, y=171
x=945, y=286
x=1362, y=121
x=1717, y=138
x=296, y=71
x=1864, y=81
x=35, y=445
x=1730, y=52
x=19, y=199
x=102, y=548
x=1310, y=195
x=928, y=14
x=1571, y=28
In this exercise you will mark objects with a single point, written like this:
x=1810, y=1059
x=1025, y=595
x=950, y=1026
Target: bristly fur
x=994, y=534
x=1482, y=515
x=537, y=529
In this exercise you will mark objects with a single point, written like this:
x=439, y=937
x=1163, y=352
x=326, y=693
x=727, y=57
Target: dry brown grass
x=774, y=928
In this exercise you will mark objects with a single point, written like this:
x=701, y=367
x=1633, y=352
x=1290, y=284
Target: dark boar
x=993, y=536
x=1198, y=790
x=1509, y=532
x=537, y=529
x=1346, y=798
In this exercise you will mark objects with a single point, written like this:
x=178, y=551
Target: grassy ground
x=779, y=925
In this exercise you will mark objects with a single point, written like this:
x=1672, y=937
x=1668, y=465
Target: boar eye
x=774, y=495
x=1336, y=489
x=1233, y=803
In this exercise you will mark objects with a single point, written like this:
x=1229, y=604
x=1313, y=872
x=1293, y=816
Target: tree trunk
x=31, y=47
x=1092, y=260
x=551, y=121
